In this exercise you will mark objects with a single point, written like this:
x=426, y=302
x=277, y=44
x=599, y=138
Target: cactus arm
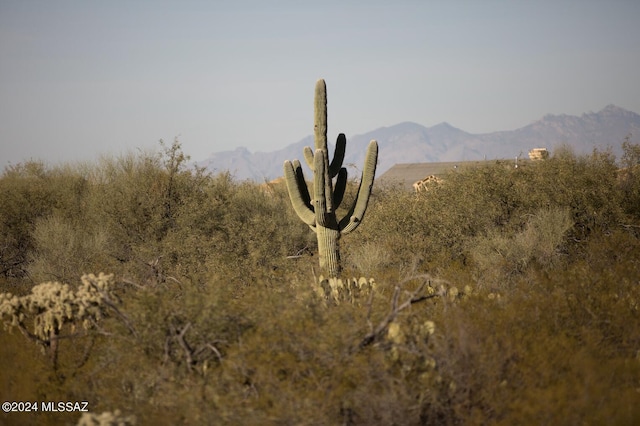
x=339, y=189
x=352, y=220
x=298, y=192
x=338, y=155
x=308, y=157
x=302, y=183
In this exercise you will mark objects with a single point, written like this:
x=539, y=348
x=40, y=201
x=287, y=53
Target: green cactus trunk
x=329, y=250
x=320, y=213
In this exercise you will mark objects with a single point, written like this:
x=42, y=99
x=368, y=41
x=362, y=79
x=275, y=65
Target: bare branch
x=414, y=297
x=131, y=283
x=188, y=352
x=123, y=317
x=215, y=351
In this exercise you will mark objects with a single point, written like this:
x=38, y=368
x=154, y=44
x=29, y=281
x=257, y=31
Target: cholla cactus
x=320, y=212
x=352, y=290
x=51, y=305
x=107, y=418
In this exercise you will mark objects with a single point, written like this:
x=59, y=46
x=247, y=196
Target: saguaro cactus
x=320, y=212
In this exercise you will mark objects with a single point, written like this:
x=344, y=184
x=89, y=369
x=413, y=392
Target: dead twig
x=188, y=352
x=414, y=297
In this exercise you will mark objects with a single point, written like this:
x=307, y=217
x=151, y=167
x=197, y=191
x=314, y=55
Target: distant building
x=410, y=174
x=406, y=174
x=538, y=154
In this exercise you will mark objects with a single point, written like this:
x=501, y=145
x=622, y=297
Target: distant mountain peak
x=445, y=126
x=405, y=125
x=613, y=108
x=410, y=142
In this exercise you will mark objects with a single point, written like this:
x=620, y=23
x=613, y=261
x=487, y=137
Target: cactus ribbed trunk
x=328, y=250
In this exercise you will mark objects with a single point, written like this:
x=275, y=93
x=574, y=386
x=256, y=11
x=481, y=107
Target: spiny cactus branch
x=353, y=219
x=340, y=188
x=299, y=193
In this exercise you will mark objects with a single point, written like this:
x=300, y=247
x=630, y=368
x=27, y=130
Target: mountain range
x=413, y=143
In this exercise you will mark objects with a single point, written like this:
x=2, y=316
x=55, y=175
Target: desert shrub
x=91, y=220
x=493, y=199
x=165, y=220
x=133, y=197
x=589, y=311
x=500, y=255
x=369, y=258
x=394, y=227
x=31, y=191
x=265, y=227
x=62, y=247
x=585, y=184
x=629, y=177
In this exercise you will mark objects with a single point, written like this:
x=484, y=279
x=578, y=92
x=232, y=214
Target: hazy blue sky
x=81, y=78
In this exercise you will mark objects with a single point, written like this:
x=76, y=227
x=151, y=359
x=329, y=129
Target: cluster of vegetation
x=500, y=296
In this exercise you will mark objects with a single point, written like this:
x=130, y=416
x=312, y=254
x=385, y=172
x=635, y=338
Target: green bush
x=629, y=177
x=63, y=247
x=31, y=191
x=500, y=256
